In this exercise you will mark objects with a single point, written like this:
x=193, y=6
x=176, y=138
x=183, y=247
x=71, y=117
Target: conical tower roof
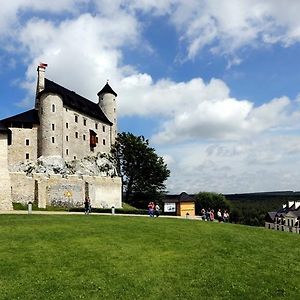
x=107, y=90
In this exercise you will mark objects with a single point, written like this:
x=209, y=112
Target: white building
x=66, y=125
x=285, y=219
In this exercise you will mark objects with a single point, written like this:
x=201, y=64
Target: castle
x=62, y=126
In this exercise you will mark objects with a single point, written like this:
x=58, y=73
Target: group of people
x=209, y=215
x=153, y=209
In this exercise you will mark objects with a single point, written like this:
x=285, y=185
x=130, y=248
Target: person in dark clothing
x=87, y=206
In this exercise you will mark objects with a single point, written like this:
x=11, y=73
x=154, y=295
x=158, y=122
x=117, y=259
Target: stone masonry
x=5, y=193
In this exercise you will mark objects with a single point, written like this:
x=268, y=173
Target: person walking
x=151, y=209
x=87, y=206
x=226, y=216
x=219, y=214
x=157, y=210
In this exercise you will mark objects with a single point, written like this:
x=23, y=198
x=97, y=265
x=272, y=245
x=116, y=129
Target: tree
x=211, y=200
x=141, y=169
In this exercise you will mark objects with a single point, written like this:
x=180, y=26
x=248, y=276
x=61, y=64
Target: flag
x=42, y=65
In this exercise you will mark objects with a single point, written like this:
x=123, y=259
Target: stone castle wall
x=5, y=196
x=19, y=148
x=78, y=133
x=55, y=190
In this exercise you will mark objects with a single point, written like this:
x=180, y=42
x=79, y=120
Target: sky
x=214, y=85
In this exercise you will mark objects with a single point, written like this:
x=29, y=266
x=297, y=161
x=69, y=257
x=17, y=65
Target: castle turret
x=107, y=102
x=50, y=110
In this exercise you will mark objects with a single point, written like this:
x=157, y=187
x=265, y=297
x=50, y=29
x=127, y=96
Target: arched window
x=53, y=107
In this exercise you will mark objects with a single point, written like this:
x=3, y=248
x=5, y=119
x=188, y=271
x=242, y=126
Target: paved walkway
x=43, y=212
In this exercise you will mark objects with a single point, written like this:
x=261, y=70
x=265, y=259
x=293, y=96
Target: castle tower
x=5, y=192
x=107, y=102
x=50, y=110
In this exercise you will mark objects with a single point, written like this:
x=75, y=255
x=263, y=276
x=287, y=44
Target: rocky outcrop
x=99, y=165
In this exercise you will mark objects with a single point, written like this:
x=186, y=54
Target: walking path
x=43, y=212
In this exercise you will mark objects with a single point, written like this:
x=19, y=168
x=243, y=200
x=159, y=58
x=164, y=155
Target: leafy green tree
x=141, y=169
x=211, y=200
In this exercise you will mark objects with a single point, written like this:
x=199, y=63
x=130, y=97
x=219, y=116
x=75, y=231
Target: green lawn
x=113, y=257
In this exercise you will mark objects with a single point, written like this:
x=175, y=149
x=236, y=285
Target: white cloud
x=196, y=110
x=263, y=164
x=12, y=11
x=227, y=26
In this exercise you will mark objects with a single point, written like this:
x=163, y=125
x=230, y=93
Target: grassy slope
x=109, y=257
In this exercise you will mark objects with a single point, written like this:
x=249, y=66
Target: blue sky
x=214, y=86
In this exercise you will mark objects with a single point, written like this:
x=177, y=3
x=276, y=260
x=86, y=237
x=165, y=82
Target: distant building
x=62, y=124
x=181, y=205
x=285, y=219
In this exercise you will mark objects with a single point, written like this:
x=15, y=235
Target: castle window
x=84, y=122
x=53, y=108
x=66, y=109
x=53, y=140
x=84, y=137
x=96, y=125
x=27, y=142
x=76, y=135
x=103, y=141
x=67, y=138
x=67, y=151
x=93, y=137
x=27, y=155
x=53, y=126
x=74, y=156
x=76, y=119
x=103, y=128
x=114, y=110
x=96, y=139
x=67, y=125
